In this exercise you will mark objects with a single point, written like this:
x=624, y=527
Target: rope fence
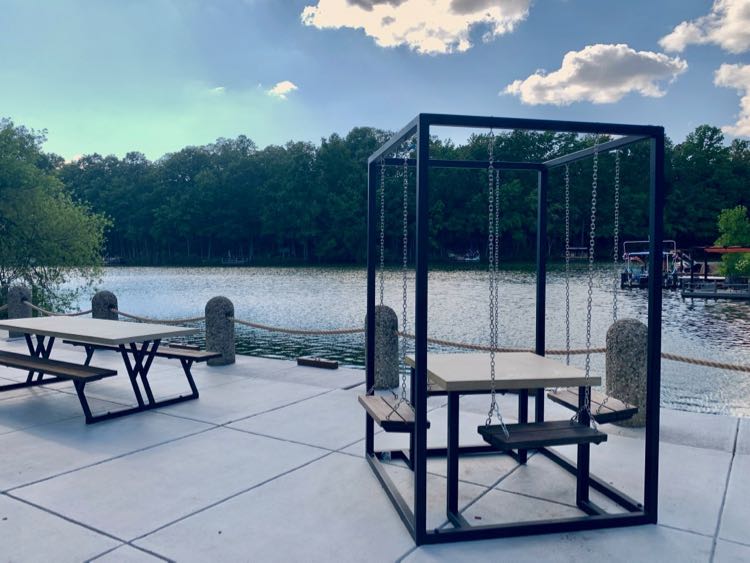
x=437, y=341
x=299, y=331
x=52, y=313
x=159, y=321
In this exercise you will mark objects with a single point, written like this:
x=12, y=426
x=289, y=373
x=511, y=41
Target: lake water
x=335, y=298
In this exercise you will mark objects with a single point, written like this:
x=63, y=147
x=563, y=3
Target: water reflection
x=335, y=298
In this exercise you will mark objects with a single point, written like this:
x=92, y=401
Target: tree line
x=306, y=203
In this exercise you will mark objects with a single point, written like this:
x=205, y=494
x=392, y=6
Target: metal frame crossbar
x=414, y=515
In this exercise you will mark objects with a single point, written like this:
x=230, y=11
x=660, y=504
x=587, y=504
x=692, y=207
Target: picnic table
x=138, y=343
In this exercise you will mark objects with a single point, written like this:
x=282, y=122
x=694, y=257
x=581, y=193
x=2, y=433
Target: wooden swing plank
x=388, y=413
x=603, y=410
x=540, y=434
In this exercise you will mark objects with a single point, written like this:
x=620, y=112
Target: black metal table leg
x=452, y=453
x=523, y=417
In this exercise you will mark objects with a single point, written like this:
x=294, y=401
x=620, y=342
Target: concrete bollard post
x=102, y=304
x=627, y=344
x=220, y=330
x=386, y=348
x=19, y=297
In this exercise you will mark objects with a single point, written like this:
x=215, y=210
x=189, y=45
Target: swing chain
x=382, y=229
x=493, y=258
x=567, y=264
x=404, y=275
x=616, y=234
x=592, y=243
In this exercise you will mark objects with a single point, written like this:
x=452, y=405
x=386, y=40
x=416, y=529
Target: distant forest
x=306, y=203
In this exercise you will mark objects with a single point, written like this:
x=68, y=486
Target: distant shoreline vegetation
x=232, y=203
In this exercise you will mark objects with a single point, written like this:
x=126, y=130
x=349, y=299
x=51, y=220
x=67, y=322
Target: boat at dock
x=635, y=273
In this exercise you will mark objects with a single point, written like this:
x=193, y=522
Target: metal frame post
x=420, y=329
x=653, y=358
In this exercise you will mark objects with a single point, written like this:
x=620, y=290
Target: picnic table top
x=96, y=331
x=513, y=370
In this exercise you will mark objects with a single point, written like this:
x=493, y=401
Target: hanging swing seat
x=603, y=409
x=533, y=435
x=388, y=413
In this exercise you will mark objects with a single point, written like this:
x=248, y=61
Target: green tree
x=47, y=241
x=734, y=227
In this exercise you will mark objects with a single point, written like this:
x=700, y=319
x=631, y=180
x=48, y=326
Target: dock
x=717, y=290
x=268, y=465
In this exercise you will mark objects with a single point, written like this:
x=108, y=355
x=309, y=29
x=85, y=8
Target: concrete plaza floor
x=268, y=466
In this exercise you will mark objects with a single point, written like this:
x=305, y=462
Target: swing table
x=457, y=374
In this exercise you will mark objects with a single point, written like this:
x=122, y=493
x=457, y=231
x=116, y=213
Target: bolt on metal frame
x=415, y=516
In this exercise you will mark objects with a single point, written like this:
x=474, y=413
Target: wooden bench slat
x=168, y=351
x=603, y=409
x=54, y=367
x=385, y=414
x=540, y=434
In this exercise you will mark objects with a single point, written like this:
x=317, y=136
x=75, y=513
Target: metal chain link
x=567, y=264
x=589, y=300
x=404, y=275
x=493, y=258
x=382, y=229
x=616, y=245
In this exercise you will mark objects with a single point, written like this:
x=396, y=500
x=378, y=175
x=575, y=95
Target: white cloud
x=281, y=89
x=727, y=25
x=599, y=74
x=218, y=91
x=738, y=77
x=425, y=26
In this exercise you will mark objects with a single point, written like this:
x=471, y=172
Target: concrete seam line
x=726, y=490
x=146, y=448
x=230, y=497
x=279, y=407
x=63, y=517
x=284, y=440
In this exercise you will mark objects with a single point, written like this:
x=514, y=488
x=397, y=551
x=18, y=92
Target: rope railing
x=437, y=341
x=53, y=313
x=158, y=321
x=302, y=331
x=485, y=348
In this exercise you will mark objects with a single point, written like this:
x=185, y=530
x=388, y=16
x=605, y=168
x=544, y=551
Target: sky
x=113, y=76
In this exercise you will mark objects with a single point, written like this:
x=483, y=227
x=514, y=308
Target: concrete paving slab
x=29, y=534
x=735, y=520
x=403, y=478
x=480, y=469
x=236, y=401
x=691, y=480
x=728, y=552
x=332, y=420
x=126, y=554
x=699, y=430
x=542, y=478
x=330, y=510
x=44, y=451
x=642, y=543
x=26, y=392
x=743, y=437
x=135, y=494
x=500, y=507
x=35, y=409
x=329, y=378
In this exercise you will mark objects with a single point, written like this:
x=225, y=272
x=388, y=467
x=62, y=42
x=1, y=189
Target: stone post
x=386, y=348
x=627, y=343
x=220, y=330
x=19, y=297
x=102, y=304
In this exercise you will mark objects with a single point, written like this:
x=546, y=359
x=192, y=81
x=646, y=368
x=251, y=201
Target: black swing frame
x=415, y=519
